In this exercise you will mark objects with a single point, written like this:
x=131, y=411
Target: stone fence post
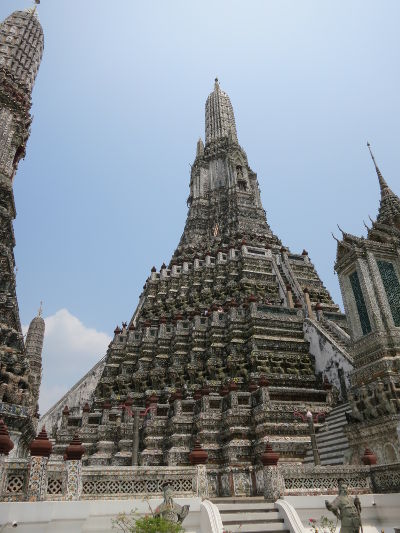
x=41, y=449
x=6, y=445
x=73, y=468
x=274, y=484
x=199, y=457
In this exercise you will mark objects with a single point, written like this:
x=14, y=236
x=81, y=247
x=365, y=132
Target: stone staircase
x=250, y=515
x=333, y=332
x=331, y=440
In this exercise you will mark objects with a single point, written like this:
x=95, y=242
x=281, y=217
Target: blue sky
x=119, y=106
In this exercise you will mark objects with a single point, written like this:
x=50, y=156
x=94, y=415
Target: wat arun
x=21, y=49
x=227, y=342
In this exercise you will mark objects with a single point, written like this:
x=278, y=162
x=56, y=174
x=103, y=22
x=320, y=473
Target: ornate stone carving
x=347, y=510
x=169, y=509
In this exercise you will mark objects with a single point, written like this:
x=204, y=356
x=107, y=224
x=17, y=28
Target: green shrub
x=132, y=523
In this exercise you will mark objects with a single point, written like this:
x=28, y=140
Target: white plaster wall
x=327, y=356
x=379, y=511
x=84, y=516
x=78, y=395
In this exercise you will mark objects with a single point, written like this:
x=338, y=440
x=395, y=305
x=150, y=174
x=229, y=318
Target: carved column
x=274, y=484
x=6, y=445
x=73, y=467
x=199, y=457
x=310, y=311
x=289, y=296
x=135, y=448
x=40, y=452
x=64, y=419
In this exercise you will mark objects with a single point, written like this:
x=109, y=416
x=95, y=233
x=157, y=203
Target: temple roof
x=389, y=208
x=220, y=119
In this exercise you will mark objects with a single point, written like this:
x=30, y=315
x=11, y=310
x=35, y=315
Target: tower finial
x=40, y=311
x=383, y=185
x=216, y=83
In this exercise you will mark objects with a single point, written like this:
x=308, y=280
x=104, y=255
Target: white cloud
x=70, y=350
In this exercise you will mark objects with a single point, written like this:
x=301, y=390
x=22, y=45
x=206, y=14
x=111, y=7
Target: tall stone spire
x=33, y=353
x=220, y=120
x=21, y=48
x=224, y=201
x=389, y=208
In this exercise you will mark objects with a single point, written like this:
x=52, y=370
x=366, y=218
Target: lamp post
x=310, y=419
x=136, y=414
x=314, y=446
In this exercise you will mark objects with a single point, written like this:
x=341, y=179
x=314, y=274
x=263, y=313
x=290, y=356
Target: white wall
x=379, y=511
x=84, y=516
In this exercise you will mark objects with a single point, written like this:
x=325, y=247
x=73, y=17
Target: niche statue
x=346, y=509
x=169, y=509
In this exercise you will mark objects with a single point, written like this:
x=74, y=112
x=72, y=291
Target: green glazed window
x=392, y=288
x=360, y=302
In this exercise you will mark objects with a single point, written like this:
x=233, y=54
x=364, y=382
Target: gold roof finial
x=381, y=179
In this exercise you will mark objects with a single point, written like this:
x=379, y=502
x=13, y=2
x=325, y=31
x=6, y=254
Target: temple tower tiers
x=21, y=48
x=215, y=350
x=369, y=276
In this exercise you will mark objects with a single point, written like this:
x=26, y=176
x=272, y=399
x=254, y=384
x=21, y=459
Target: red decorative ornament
x=233, y=386
x=369, y=458
x=198, y=456
x=205, y=390
x=269, y=457
x=263, y=382
x=223, y=391
x=197, y=395
x=66, y=410
x=75, y=450
x=86, y=408
x=6, y=444
x=177, y=395
x=41, y=446
x=252, y=386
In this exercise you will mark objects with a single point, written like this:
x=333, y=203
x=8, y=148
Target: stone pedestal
x=274, y=484
x=103, y=455
x=124, y=456
x=37, y=484
x=74, y=479
x=3, y=474
x=40, y=449
x=201, y=482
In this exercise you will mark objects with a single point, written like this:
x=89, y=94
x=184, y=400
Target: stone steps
x=331, y=440
x=250, y=515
